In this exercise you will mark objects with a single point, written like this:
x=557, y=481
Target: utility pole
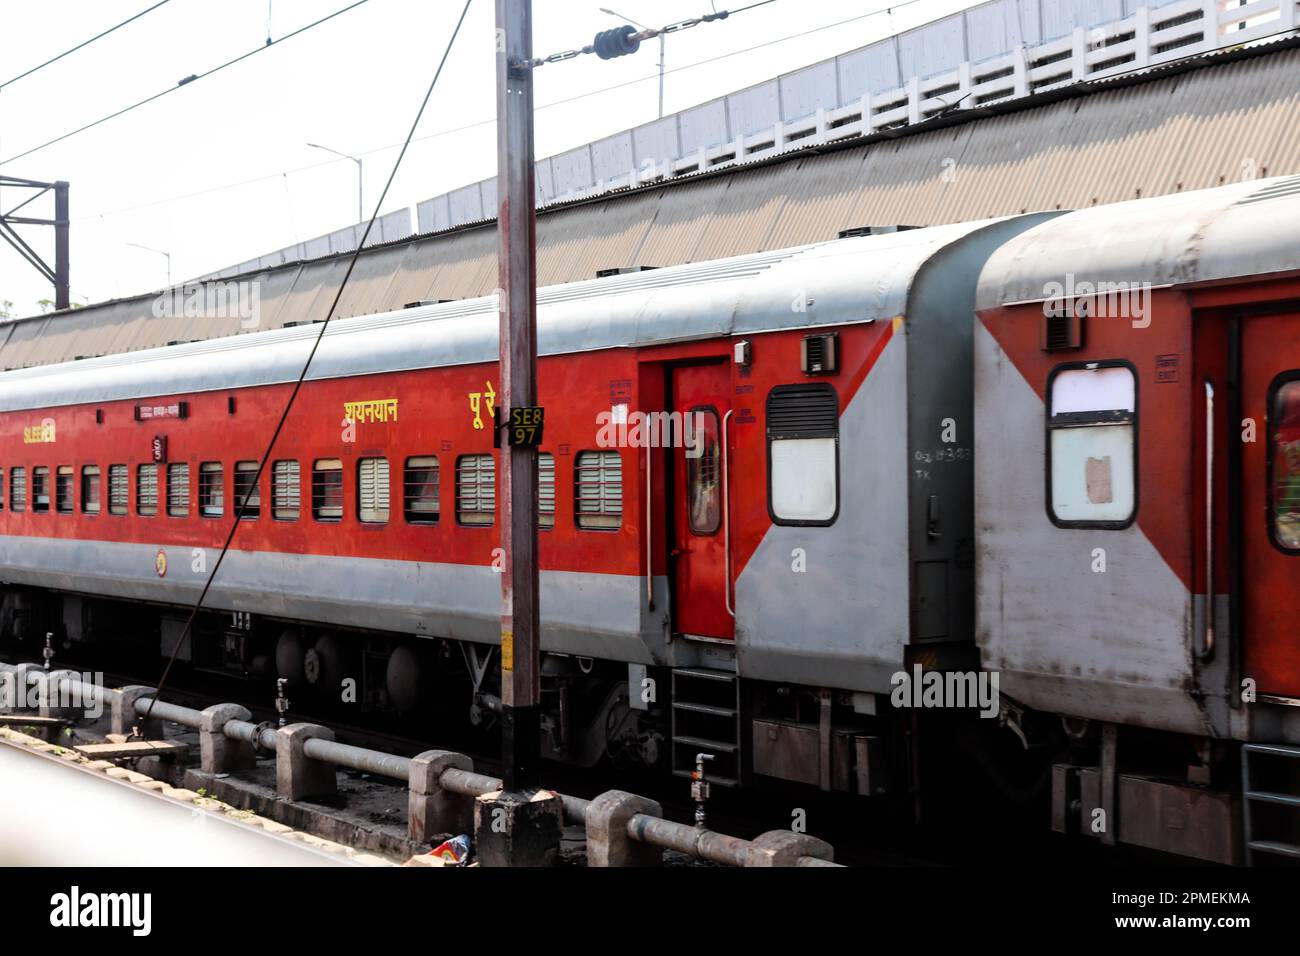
x=59, y=274
x=517, y=240
x=520, y=826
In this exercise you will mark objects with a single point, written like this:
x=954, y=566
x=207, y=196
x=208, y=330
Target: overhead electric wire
x=302, y=376
x=85, y=43
x=646, y=33
x=182, y=83
x=488, y=122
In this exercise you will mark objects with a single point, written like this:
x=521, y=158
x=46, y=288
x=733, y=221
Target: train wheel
x=405, y=679
x=331, y=662
x=290, y=649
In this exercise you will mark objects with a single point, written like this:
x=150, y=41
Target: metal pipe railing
x=703, y=844
x=655, y=831
x=358, y=758
x=467, y=783
x=87, y=692
x=185, y=716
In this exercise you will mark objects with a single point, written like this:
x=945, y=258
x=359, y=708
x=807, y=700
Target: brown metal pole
x=62, y=281
x=517, y=236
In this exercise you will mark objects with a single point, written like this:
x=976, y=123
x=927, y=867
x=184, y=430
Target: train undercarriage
x=1165, y=792
x=594, y=711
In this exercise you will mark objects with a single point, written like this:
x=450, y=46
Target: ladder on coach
x=706, y=719
x=1285, y=764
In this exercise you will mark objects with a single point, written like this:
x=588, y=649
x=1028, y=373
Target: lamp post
x=161, y=253
x=662, y=38
x=361, y=215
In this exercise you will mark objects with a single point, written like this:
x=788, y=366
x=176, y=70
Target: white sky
x=219, y=172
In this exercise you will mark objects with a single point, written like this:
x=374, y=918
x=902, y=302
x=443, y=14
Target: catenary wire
x=83, y=44
x=182, y=83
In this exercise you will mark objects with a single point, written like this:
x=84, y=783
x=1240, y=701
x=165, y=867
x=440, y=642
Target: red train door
x=701, y=396
x=1270, y=390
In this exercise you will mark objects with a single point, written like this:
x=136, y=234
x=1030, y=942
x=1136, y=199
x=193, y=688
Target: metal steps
x=705, y=709
x=1253, y=797
x=706, y=719
x=711, y=746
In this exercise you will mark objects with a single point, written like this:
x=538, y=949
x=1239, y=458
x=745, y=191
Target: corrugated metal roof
x=1171, y=129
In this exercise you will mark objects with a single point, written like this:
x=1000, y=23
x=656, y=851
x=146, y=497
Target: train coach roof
x=1249, y=228
x=832, y=283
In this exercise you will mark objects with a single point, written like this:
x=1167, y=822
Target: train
x=814, y=512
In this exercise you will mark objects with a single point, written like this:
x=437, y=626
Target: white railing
x=1153, y=34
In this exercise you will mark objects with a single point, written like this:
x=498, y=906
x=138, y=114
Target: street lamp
x=161, y=253
x=662, y=37
x=361, y=215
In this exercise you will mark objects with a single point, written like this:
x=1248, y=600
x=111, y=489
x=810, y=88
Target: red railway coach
x=1137, y=425
x=749, y=586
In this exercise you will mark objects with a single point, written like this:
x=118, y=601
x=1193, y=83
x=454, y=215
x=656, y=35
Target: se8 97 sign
x=524, y=428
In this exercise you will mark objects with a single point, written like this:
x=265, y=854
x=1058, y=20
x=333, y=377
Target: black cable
x=98, y=36
x=185, y=82
x=261, y=465
x=619, y=36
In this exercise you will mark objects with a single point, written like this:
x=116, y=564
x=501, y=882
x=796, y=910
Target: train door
x=1270, y=485
x=701, y=533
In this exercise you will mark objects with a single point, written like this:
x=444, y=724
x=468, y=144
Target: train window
x=372, y=490
x=63, y=489
x=247, y=495
x=475, y=489
x=286, y=499
x=90, y=489
x=18, y=489
x=545, y=490
x=703, y=471
x=41, y=488
x=117, y=491
x=1091, y=449
x=598, y=489
x=1284, y=457
x=803, y=442
x=420, y=490
x=178, y=490
x=146, y=490
x=327, y=489
x=212, y=490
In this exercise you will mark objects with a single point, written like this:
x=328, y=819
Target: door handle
x=726, y=511
x=649, y=532
x=1207, y=649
